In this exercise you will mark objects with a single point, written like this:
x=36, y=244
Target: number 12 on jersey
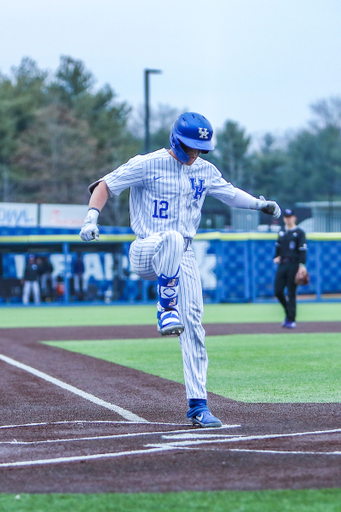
x=160, y=208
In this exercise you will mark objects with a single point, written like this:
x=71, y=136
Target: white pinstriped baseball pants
x=163, y=253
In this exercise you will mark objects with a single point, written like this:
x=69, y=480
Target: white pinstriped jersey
x=166, y=194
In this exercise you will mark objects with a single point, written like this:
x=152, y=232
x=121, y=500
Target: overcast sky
x=258, y=62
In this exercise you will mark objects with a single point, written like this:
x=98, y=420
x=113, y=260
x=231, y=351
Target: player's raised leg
x=166, y=263
x=158, y=257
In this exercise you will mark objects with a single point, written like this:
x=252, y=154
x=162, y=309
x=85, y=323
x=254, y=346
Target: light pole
x=147, y=72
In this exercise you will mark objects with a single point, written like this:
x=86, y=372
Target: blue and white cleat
x=200, y=415
x=290, y=325
x=205, y=419
x=169, y=323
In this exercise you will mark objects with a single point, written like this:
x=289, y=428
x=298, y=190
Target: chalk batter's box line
x=186, y=445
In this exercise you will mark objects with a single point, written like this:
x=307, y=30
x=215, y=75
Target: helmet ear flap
x=177, y=149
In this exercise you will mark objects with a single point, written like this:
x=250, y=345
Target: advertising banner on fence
x=18, y=215
x=62, y=215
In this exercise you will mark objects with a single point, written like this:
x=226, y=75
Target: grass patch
x=251, y=368
x=57, y=316
x=325, y=500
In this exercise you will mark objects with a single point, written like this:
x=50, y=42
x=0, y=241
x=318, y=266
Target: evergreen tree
x=231, y=153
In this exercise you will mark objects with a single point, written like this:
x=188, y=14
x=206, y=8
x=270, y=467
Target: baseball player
x=167, y=191
x=31, y=281
x=291, y=250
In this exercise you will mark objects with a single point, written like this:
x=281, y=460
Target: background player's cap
x=288, y=212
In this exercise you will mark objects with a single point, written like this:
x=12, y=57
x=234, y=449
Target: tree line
x=58, y=133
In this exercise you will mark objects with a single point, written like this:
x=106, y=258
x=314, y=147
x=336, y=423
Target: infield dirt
x=53, y=441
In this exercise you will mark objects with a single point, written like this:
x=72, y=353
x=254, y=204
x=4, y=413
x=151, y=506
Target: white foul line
x=122, y=412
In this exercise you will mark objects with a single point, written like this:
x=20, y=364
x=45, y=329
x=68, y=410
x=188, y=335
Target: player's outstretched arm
x=98, y=199
x=245, y=200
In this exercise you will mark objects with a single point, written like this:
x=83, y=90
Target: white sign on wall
x=62, y=215
x=18, y=214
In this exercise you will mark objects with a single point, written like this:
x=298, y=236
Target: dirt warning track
x=73, y=423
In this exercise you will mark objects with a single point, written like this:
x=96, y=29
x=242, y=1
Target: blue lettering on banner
x=14, y=217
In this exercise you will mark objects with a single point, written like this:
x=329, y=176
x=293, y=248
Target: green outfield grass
x=52, y=316
x=251, y=368
x=325, y=500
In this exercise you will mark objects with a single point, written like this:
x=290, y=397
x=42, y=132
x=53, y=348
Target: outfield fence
x=234, y=267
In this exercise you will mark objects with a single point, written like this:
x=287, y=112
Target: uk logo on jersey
x=197, y=187
x=203, y=133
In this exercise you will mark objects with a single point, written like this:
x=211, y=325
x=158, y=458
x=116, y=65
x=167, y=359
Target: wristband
x=93, y=214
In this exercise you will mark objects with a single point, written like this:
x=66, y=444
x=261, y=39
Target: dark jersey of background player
x=31, y=270
x=291, y=249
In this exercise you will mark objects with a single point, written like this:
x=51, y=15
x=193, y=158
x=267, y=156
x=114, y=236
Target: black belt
x=289, y=260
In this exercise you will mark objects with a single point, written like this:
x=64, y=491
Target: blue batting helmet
x=193, y=130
